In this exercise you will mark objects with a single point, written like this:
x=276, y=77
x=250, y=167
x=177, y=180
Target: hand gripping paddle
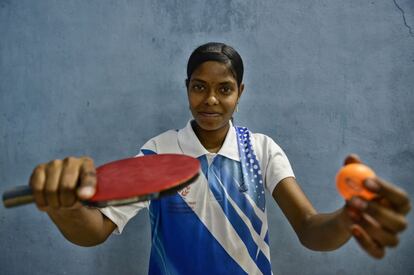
x=129, y=180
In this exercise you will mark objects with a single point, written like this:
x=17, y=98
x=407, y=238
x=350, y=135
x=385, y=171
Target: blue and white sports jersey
x=217, y=225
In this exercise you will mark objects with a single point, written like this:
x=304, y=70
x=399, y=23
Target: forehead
x=213, y=71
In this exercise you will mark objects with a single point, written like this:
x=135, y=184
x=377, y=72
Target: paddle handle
x=19, y=195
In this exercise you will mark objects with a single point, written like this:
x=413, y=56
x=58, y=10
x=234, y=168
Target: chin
x=207, y=125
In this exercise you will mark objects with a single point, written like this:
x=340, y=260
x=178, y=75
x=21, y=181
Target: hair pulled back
x=219, y=52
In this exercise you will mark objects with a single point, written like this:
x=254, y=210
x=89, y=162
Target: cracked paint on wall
x=404, y=19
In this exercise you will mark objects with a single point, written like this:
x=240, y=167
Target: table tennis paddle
x=129, y=180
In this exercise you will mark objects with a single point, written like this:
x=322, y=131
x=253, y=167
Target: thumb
x=352, y=158
x=87, y=185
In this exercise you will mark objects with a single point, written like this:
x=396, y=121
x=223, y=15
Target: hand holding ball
x=350, y=181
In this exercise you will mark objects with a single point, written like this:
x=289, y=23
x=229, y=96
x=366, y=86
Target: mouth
x=209, y=114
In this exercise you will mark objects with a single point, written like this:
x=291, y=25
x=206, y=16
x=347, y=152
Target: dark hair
x=219, y=52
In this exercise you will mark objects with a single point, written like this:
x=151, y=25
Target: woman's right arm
x=58, y=187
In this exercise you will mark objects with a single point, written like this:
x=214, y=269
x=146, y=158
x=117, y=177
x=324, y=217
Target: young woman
x=219, y=224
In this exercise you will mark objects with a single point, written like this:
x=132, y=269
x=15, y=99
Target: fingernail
x=358, y=203
x=372, y=185
x=87, y=192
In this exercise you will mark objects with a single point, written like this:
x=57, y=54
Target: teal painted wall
x=99, y=78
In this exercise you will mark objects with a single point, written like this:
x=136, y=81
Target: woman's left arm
x=321, y=232
x=374, y=224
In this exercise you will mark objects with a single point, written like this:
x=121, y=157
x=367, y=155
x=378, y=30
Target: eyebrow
x=198, y=80
x=227, y=82
x=221, y=83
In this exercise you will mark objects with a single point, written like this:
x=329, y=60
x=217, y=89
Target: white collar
x=191, y=145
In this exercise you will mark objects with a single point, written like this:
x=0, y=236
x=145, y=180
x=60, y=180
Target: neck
x=211, y=140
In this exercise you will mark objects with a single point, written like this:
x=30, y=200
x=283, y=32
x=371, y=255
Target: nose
x=212, y=99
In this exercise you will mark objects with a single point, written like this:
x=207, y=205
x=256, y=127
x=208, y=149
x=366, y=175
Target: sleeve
x=274, y=163
x=120, y=215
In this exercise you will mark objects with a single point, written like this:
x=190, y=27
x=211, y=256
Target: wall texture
x=99, y=78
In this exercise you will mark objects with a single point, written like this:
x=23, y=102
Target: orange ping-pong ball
x=350, y=179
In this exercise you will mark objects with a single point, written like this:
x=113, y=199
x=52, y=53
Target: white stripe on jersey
x=224, y=231
x=259, y=240
x=259, y=213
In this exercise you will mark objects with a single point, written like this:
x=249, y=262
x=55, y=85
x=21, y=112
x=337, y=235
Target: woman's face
x=213, y=95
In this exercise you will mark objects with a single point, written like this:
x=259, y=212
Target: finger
x=352, y=158
x=68, y=181
x=389, y=219
x=366, y=242
x=53, y=171
x=37, y=183
x=396, y=196
x=87, y=186
x=376, y=232
x=353, y=213
x=382, y=201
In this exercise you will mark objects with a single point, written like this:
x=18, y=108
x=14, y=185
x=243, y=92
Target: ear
x=241, y=89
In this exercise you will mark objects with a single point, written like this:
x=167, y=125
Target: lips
x=209, y=114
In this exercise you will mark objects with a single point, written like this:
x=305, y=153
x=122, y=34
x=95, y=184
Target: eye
x=198, y=87
x=226, y=90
